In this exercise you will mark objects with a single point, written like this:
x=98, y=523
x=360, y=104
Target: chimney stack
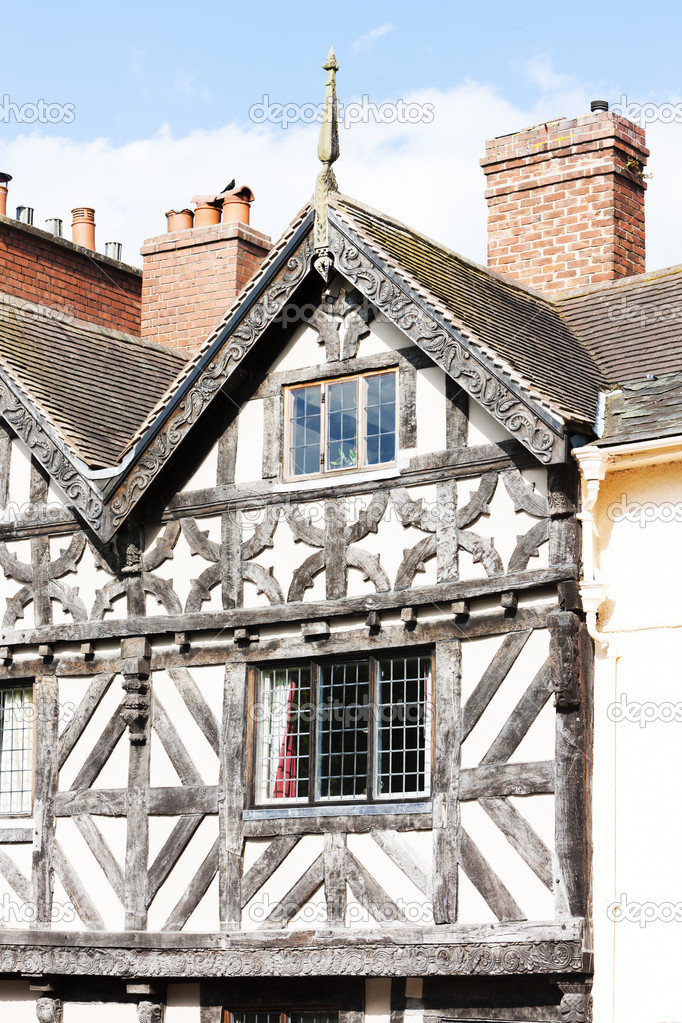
x=4, y=180
x=83, y=227
x=191, y=274
x=566, y=201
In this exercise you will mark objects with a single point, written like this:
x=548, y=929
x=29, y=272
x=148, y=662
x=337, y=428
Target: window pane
x=380, y=418
x=285, y=733
x=343, y=723
x=403, y=726
x=304, y=430
x=16, y=749
x=342, y=428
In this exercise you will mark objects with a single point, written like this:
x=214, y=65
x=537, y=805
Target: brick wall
x=566, y=202
x=190, y=277
x=43, y=270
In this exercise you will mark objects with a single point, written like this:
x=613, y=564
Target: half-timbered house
x=295, y=684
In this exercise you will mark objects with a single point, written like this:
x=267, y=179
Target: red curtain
x=285, y=781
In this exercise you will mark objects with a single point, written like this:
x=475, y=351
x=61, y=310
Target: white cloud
x=427, y=174
x=367, y=41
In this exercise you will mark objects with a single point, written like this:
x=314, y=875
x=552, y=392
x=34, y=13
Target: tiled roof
x=632, y=326
x=644, y=409
x=94, y=385
x=517, y=324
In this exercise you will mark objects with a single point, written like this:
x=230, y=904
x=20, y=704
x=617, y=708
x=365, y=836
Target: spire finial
x=328, y=153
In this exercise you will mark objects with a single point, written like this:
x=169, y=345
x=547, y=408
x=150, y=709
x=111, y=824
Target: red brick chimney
x=566, y=201
x=191, y=275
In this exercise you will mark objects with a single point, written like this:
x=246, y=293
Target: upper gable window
x=342, y=424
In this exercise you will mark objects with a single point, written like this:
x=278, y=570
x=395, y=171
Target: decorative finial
x=328, y=153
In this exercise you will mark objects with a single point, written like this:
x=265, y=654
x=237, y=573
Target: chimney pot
x=114, y=250
x=25, y=214
x=4, y=179
x=206, y=214
x=54, y=226
x=237, y=206
x=599, y=104
x=179, y=220
x=83, y=226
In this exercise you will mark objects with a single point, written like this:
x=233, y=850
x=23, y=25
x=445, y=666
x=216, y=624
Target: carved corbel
x=151, y=1012
x=576, y=1004
x=565, y=660
x=49, y=1009
x=136, y=654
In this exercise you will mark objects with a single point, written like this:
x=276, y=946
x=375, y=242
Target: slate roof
x=513, y=322
x=633, y=326
x=94, y=385
x=644, y=409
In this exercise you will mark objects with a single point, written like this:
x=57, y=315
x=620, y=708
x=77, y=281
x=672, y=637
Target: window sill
x=337, y=810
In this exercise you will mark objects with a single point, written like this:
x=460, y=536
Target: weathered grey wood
x=169, y=854
x=179, y=801
x=486, y=881
x=101, y=751
x=232, y=583
x=137, y=840
x=266, y=864
x=507, y=780
x=5, y=455
x=346, y=823
x=446, y=817
x=14, y=877
x=298, y=894
x=492, y=679
x=447, y=551
x=197, y=705
x=416, y=869
x=370, y=894
x=273, y=418
x=40, y=549
x=520, y=719
x=76, y=891
x=102, y=853
x=300, y=611
x=407, y=406
x=520, y=836
x=227, y=453
x=231, y=804
x=46, y=704
x=84, y=711
x=334, y=552
x=335, y=878
x=175, y=748
x=11, y=835
x=456, y=414
x=195, y=892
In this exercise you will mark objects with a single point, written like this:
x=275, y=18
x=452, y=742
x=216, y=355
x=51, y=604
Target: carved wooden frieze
x=395, y=301
x=361, y=959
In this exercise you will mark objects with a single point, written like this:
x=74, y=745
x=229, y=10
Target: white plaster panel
x=89, y=578
x=483, y=429
x=249, y=464
x=93, y=878
x=312, y=915
x=253, y=850
x=430, y=410
x=182, y=1003
x=206, y=917
x=71, y=692
x=536, y=901
x=286, y=555
x=17, y=1002
x=159, y=830
x=383, y=336
x=277, y=886
x=356, y=914
x=471, y=906
x=19, y=475
x=476, y=655
x=303, y=350
x=398, y=886
x=194, y=740
x=183, y=873
x=14, y=912
x=104, y=1012
x=206, y=475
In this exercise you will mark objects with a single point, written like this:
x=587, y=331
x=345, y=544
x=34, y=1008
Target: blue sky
x=161, y=94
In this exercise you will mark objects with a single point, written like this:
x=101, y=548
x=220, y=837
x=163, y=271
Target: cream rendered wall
x=637, y=822
x=17, y=1002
